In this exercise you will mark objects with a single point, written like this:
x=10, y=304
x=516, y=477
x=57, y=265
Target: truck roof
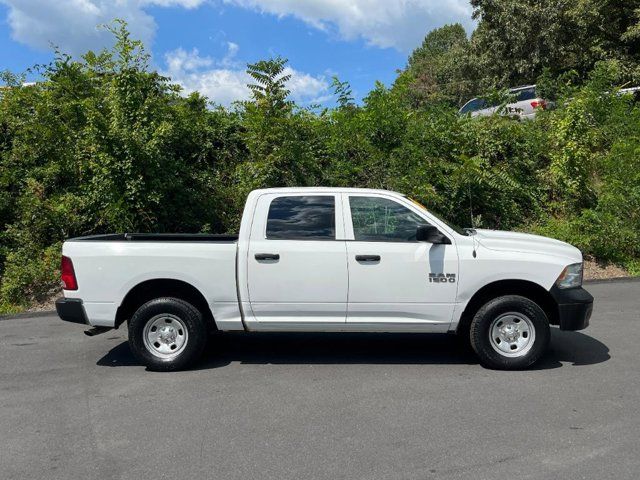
x=322, y=190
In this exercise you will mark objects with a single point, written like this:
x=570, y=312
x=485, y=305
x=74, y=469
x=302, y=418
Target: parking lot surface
x=323, y=406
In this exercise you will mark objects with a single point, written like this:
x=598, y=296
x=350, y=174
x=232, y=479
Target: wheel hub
x=512, y=334
x=509, y=333
x=165, y=336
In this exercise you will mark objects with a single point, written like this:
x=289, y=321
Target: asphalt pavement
x=323, y=406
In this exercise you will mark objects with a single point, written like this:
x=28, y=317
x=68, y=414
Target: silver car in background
x=525, y=105
x=635, y=91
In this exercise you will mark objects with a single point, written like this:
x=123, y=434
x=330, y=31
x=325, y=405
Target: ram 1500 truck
x=327, y=260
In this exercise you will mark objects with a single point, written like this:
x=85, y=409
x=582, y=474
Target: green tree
x=344, y=93
x=440, y=69
x=100, y=144
x=517, y=39
x=269, y=91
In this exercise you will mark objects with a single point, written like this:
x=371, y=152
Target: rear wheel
x=509, y=332
x=167, y=334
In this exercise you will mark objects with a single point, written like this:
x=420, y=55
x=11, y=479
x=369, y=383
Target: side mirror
x=429, y=233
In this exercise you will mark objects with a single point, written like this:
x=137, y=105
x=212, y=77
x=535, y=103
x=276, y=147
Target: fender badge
x=442, y=278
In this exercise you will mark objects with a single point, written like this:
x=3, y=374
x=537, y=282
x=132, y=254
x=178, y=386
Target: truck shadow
x=366, y=348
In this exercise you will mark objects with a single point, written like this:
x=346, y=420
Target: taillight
x=539, y=103
x=67, y=274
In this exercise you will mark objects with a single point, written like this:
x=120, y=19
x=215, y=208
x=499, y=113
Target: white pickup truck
x=327, y=260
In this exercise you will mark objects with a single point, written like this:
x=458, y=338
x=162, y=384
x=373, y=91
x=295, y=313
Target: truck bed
x=109, y=266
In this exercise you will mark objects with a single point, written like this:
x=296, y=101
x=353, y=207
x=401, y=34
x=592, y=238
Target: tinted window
x=525, y=94
x=302, y=218
x=473, y=105
x=378, y=219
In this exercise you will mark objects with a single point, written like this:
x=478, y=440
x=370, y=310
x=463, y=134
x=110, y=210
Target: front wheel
x=167, y=334
x=509, y=333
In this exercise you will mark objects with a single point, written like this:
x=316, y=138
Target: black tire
x=182, y=314
x=503, y=307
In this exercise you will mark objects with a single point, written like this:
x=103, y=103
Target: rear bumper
x=574, y=307
x=71, y=310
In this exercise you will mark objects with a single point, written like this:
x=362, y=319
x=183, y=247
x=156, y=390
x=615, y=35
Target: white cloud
x=400, y=24
x=225, y=81
x=233, y=50
x=72, y=24
x=180, y=60
x=172, y=3
x=306, y=88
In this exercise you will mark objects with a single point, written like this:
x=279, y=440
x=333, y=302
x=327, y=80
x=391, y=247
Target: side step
x=92, y=332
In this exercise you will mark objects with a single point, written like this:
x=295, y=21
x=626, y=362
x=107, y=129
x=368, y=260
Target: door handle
x=367, y=258
x=267, y=256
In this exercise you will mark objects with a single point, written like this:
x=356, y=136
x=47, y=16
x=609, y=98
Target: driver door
x=395, y=282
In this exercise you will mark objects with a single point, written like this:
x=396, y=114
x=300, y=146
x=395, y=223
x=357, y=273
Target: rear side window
x=302, y=218
x=525, y=94
x=377, y=219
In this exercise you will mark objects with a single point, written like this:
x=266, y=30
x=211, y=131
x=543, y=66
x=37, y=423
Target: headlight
x=570, y=277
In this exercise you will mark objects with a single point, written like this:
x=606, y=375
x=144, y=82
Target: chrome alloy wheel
x=165, y=336
x=512, y=334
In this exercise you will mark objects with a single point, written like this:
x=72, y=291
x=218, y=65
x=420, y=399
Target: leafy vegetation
x=516, y=41
x=106, y=144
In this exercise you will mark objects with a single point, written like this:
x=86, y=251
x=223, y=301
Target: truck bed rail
x=157, y=237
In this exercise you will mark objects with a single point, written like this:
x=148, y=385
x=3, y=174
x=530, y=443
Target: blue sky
x=205, y=44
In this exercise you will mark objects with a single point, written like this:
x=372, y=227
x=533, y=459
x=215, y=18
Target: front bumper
x=575, y=306
x=71, y=310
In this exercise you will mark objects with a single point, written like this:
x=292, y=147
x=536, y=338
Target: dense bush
x=594, y=174
x=105, y=144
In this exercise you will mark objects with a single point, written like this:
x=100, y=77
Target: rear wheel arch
x=163, y=287
x=523, y=288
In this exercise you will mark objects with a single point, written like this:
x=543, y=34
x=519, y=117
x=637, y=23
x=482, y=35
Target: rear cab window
x=307, y=217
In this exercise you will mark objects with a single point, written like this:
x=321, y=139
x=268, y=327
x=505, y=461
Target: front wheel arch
x=524, y=288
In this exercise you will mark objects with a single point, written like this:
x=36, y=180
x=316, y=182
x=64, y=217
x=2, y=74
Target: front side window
x=474, y=105
x=377, y=219
x=302, y=218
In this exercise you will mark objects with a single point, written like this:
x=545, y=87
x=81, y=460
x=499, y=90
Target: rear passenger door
x=296, y=265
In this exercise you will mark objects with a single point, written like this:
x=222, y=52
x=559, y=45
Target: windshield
x=455, y=228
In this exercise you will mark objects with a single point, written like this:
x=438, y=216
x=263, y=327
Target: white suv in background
x=635, y=91
x=525, y=105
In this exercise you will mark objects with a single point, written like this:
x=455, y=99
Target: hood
x=527, y=243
